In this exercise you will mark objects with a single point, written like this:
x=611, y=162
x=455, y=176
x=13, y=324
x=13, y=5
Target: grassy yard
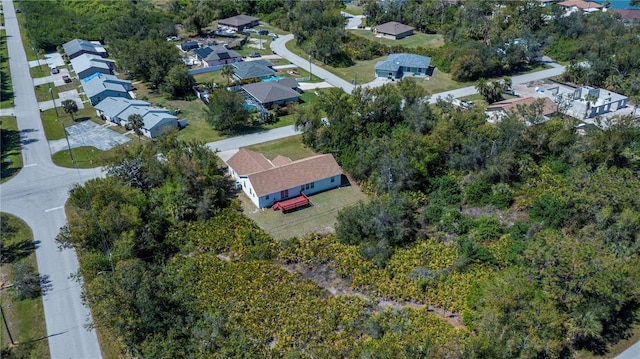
x=354, y=9
x=440, y=82
x=39, y=71
x=613, y=350
x=85, y=157
x=43, y=94
x=53, y=125
x=194, y=111
x=6, y=88
x=416, y=40
x=25, y=40
x=291, y=147
x=319, y=218
x=11, y=154
x=25, y=318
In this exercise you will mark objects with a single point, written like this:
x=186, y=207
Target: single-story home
x=156, y=121
x=399, y=65
x=86, y=65
x=100, y=86
x=261, y=69
x=580, y=5
x=111, y=108
x=628, y=15
x=217, y=55
x=189, y=45
x=77, y=47
x=268, y=182
x=239, y=22
x=111, y=79
x=501, y=109
x=393, y=30
x=271, y=93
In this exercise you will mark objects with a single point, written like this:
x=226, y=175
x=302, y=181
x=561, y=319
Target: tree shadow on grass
x=9, y=145
x=13, y=252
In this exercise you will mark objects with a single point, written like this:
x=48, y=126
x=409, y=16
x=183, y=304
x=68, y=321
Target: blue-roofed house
x=102, y=86
x=112, y=108
x=77, y=47
x=399, y=65
x=216, y=55
x=261, y=69
x=86, y=65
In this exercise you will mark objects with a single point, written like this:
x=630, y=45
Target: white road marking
x=30, y=165
x=53, y=209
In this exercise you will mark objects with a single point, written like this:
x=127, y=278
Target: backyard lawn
x=25, y=317
x=416, y=40
x=53, y=129
x=291, y=147
x=11, y=153
x=318, y=218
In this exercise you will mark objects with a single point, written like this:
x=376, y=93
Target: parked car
x=54, y=70
x=275, y=36
x=254, y=54
x=263, y=32
x=66, y=78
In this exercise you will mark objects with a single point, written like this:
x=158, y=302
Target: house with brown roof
x=542, y=107
x=239, y=22
x=580, y=5
x=393, y=30
x=628, y=15
x=269, y=182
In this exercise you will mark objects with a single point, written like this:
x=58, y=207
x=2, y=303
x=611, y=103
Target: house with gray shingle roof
x=260, y=69
x=399, y=65
x=86, y=65
x=266, y=182
x=393, y=30
x=216, y=55
x=99, y=87
x=271, y=93
x=111, y=108
x=239, y=22
x=77, y=47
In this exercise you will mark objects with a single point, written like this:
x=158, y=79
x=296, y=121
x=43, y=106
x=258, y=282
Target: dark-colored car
x=66, y=78
x=263, y=32
x=254, y=54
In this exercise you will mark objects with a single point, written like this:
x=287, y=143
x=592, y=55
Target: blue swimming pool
x=272, y=78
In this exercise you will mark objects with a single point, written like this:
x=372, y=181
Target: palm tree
x=589, y=98
x=136, y=123
x=227, y=72
x=70, y=107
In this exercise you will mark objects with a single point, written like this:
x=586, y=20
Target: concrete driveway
x=53, y=59
x=88, y=133
x=55, y=78
x=66, y=95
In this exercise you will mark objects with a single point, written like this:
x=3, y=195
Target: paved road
x=278, y=46
x=516, y=80
x=37, y=195
x=633, y=352
x=251, y=139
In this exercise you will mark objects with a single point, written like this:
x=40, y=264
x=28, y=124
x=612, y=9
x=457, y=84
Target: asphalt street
x=252, y=139
x=37, y=195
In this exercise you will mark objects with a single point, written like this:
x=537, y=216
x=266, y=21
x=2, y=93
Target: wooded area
x=527, y=235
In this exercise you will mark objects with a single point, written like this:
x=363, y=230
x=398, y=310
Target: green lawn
x=85, y=157
x=354, y=9
x=43, y=94
x=6, y=87
x=194, y=111
x=53, y=125
x=440, y=82
x=291, y=147
x=319, y=218
x=39, y=71
x=11, y=154
x=416, y=40
x=25, y=318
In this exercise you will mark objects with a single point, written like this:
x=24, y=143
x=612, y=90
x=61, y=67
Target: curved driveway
x=37, y=195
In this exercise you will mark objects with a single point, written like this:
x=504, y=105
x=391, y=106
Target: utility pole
x=4, y=319
x=64, y=129
x=54, y=101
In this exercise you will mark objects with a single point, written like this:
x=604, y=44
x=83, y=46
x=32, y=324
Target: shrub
x=553, y=211
x=477, y=193
x=501, y=196
x=486, y=229
x=26, y=282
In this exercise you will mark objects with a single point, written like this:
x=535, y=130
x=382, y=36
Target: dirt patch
x=325, y=276
x=508, y=217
